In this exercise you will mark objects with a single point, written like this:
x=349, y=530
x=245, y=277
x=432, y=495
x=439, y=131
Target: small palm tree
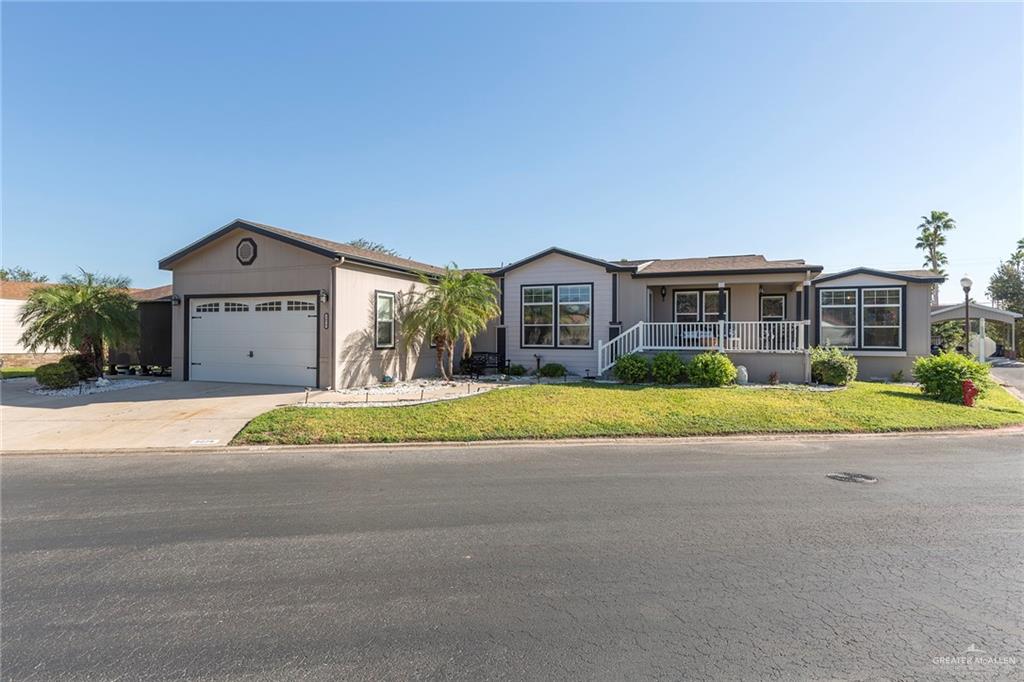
x=458, y=305
x=82, y=312
x=932, y=238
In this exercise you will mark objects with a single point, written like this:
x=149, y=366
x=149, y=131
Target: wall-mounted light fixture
x=323, y=296
x=664, y=293
x=175, y=299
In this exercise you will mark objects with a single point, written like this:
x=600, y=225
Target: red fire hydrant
x=970, y=392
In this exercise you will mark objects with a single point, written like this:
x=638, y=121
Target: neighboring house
x=983, y=349
x=12, y=298
x=256, y=303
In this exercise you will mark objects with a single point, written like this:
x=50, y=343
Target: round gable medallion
x=245, y=252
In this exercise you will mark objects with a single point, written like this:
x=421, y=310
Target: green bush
x=712, y=369
x=551, y=370
x=56, y=375
x=83, y=365
x=632, y=369
x=942, y=376
x=668, y=368
x=829, y=365
x=515, y=370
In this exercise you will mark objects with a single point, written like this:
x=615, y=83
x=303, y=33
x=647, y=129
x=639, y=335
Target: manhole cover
x=847, y=477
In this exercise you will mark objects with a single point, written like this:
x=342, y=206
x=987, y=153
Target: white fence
x=736, y=337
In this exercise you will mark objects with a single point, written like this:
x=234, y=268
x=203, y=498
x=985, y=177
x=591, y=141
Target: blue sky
x=483, y=133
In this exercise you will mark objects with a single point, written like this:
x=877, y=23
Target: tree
x=1006, y=286
x=83, y=312
x=456, y=306
x=931, y=239
x=372, y=246
x=16, y=273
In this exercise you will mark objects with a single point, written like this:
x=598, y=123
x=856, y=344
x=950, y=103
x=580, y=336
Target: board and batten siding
x=557, y=269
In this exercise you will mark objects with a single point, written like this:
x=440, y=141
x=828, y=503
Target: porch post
x=981, y=339
x=807, y=313
x=721, y=316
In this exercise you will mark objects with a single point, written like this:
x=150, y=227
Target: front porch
x=782, y=336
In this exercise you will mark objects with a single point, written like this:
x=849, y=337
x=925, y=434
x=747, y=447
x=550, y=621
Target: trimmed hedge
x=712, y=369
x=942, y=376
x=83, y=365
x=668, y=368
x=57, y=375
x=515, y=371
x=829, y=365
x=632, y=369
x=552, y=370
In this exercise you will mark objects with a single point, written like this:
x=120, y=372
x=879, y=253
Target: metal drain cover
x=848, y=477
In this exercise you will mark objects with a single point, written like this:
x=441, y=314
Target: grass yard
x=576, y=411
x=16, y=372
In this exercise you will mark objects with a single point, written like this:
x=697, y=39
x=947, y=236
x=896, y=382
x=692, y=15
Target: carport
x=981, y=313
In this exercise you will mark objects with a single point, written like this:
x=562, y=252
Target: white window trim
x=765, y=297
x=899, y=306
x=856, y=314
x=675, y=306
x=704, y=306
x=377, y=321
x=522, y=316
x=590, y=318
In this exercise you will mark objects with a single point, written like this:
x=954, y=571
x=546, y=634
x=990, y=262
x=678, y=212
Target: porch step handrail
x=775, y=336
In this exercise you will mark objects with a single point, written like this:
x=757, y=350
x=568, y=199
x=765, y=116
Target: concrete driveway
x=166, y=414
x=1010, y=373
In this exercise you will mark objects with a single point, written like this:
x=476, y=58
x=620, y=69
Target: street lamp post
x=966, y=283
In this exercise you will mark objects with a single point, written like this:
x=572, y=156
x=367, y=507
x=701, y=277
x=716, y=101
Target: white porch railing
x=734, y=337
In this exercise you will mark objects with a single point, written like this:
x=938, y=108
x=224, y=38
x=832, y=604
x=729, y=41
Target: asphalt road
x=696, y=560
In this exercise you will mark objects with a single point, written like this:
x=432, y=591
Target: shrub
x=551, y=370
x=829, y=365
x=773, y=379
x=712, y=369
x=515, y=370
x=632, y=369
x=942, y=376
x=57, y=375
x=668, y=368
x=83, y=365
x=897, y=376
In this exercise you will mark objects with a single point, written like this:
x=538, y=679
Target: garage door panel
x=283, y=343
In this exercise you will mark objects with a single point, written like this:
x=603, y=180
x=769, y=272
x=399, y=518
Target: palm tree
x=932, y=238
x=457, y=305
x=83, y=312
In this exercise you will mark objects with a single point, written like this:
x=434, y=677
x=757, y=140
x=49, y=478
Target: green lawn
x=16, y=372
x=592, y=410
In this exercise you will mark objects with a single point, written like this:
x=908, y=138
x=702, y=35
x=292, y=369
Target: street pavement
x=660, y=560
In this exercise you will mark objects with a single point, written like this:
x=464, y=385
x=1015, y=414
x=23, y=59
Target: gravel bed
x=90, y=388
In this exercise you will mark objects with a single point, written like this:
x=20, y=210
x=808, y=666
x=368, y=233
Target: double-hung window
x=539, y=316
x=711, y=311
x=687, y=306
x=773, y=308
x=838, y=323
x=881, y=318
x=384, y=320
x=574, y=315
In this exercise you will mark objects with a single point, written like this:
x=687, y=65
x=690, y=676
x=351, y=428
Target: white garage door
x=254, y=340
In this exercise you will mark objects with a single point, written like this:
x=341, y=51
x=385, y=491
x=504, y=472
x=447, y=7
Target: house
x=257, y=303
x=12, y=299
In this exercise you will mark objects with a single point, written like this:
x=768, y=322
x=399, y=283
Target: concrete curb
x=1004, y=431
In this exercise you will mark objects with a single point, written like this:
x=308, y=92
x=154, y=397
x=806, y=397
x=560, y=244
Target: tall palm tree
x=456, y=306
x=82, y=312
x=931, y=239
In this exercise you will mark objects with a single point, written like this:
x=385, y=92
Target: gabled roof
x=924, y=276
x=754, y=264
x=609, y=267
x=324, y=247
